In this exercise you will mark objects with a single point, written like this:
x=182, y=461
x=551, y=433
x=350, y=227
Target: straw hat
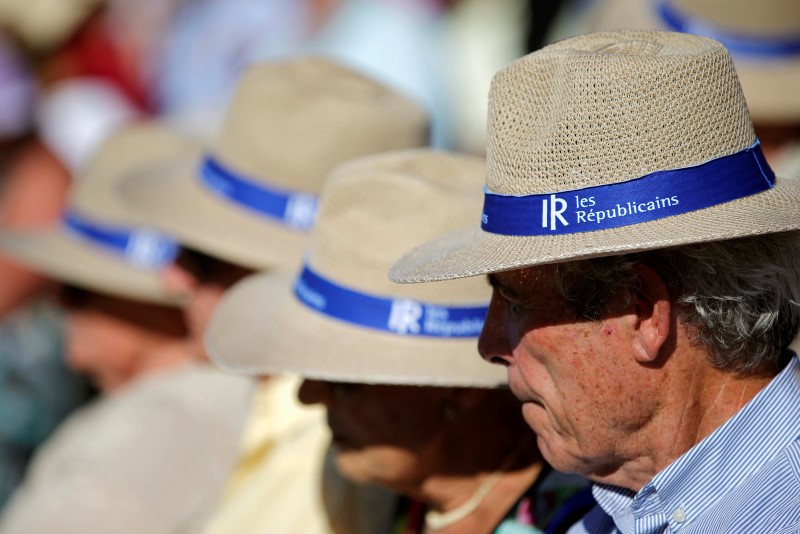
x=763, y=38
x=611, y=143
x=290, y=122
x=341, y=319
x=45, y=24
x=96, y=246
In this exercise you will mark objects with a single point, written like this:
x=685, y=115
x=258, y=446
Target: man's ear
x=653, y=308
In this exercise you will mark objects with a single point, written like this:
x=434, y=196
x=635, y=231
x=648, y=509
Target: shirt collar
x=702, y=475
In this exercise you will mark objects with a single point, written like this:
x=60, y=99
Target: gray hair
x=739, y=298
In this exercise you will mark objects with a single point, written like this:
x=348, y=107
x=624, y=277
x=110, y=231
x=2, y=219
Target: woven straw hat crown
x=606, y=110
x=568, y=125
x=291, y=122
x=763, y=37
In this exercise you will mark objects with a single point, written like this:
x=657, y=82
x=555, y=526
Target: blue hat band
x=649, y=198
x=737, y=44
x=145, y=249
x=295, y=210
x=404, y=317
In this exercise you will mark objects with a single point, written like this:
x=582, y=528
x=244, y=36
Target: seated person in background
x=410, y=405
x=248, y=204
x=152, y=452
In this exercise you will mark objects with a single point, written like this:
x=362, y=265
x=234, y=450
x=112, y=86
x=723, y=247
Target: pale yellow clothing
x=278, y=485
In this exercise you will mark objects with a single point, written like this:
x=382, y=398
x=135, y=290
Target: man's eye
x=515, y=309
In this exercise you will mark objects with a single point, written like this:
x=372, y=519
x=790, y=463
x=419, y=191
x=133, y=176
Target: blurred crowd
x=155, y=154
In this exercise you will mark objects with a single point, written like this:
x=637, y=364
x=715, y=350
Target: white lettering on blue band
x=145, y=249
x=293, y=209
x=398, y=316
x=654, y=196
x=737, y=44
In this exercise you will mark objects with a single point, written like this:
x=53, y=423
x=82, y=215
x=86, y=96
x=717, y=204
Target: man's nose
x=314, y=392
x=493, y=344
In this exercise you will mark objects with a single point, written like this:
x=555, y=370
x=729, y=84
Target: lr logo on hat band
x=648, y=198
x=404, y=317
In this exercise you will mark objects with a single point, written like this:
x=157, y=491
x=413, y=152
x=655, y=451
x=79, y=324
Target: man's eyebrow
x=503, y=289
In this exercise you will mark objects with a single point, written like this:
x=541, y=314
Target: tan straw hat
x=45, y=24
x=341, y=319
x=290, y=122
x=611, y=143
x=96, y=245
x=763, y=38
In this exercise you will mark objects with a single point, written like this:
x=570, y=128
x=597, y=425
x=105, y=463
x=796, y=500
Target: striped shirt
x=742, y=478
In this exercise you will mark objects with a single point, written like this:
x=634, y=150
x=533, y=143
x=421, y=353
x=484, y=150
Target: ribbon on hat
x=736, y=43
x=654, y=196
x=141, y=248
x=294, y=209
x=398, y=316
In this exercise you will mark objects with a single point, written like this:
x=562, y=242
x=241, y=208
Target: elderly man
x=644, y=260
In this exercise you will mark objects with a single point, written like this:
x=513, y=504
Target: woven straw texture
x=600, y=109
x=289, y=124
x=769, y=83
x=372, y=210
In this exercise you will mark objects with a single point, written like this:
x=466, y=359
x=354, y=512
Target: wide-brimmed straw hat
x=610, y=143
x=341, y=319
x=763, y=38
x=96, y=245
x=290, y=122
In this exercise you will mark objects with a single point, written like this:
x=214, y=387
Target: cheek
x=200, y=309
x=98, y=346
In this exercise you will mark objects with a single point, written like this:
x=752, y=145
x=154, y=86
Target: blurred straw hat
x=610, y=143
x=44, y=24
x=341, y=319
x=97, y=245
x=290, y=122
x=763, y=37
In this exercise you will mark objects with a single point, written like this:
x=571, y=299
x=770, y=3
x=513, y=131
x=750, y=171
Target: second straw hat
x=253, y=197
x=340, y=318
x=98, y=245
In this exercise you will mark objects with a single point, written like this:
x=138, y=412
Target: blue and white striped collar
x=693, y=483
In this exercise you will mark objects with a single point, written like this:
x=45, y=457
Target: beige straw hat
x=42, y=25
x=341, y=319
x=290, y=122
x=97, y=246
x=763, y=38
x=611, y=143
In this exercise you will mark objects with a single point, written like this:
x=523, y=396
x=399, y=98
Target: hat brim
x=260, y=328
x=473, y=252
x=68, y=259
x=172, y=199
x=769, y=84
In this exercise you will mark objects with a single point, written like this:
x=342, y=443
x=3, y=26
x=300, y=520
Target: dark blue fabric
x=654, y=196
x=143, y=248
x=397, y=316
x=291, y=208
